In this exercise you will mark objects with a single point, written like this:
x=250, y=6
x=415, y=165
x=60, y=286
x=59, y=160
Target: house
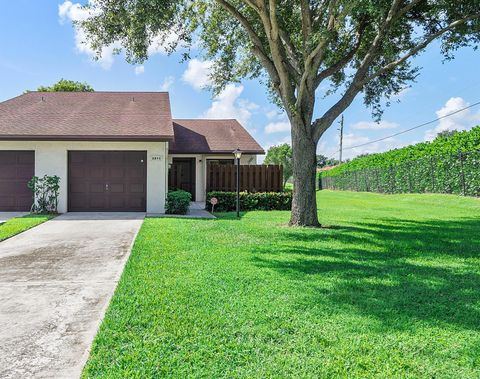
x=113, y=151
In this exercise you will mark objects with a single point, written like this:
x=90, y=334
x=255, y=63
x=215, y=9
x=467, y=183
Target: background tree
x=321, y=160
x=64, y=85
x=446, y=134
x=281, y=155
x=333, y=162
x=350, y=46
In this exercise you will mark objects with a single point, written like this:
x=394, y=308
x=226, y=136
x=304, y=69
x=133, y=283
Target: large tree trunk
x=304, y=205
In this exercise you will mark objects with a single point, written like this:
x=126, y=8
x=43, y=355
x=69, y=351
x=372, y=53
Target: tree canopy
x=64, y=85
x=304, y=51
x=281, y=155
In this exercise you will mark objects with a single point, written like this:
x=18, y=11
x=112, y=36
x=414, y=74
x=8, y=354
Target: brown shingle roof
x=133, y=116
x=211, y=137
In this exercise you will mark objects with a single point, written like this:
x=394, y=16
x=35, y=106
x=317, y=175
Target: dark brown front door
x=182, y=175
x=107, y=181
x=16, y=169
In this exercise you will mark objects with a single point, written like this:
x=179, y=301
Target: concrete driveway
x=56, y=281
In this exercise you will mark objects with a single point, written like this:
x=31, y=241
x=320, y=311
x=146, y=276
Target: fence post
x=432, y=173
x=409, y=179
x=392, y=180
x=367, y=176
x=356, y=181
x=462, y=175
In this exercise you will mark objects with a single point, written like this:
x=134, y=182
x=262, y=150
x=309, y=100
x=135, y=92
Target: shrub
x=45, y=193
x=448, y=164
x=263, y=201
x=461, y=142
x=178, y=202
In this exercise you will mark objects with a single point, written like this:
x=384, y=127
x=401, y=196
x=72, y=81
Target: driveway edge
x=86, y=354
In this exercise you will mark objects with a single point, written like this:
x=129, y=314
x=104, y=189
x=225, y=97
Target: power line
x=413, y=128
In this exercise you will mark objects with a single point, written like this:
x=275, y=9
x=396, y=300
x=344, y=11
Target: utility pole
x=341, y=138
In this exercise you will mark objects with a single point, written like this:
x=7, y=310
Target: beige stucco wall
x=51, y=159
x=201, y=169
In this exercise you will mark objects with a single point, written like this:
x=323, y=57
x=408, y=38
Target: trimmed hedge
x=445, y=165
x=178, y=202
x=442, y=147
x=261, y=201
x=453, y=174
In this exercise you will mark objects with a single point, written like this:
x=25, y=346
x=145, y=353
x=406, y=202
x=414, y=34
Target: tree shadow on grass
x=398, y=271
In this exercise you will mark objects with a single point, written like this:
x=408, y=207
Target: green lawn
x=390, y=290
x=20, y=224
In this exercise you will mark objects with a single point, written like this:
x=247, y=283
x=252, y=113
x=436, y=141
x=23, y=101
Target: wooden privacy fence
x=253, y=178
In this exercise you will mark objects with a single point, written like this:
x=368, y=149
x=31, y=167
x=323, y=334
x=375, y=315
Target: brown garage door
x=107, y=181
x=16, y=169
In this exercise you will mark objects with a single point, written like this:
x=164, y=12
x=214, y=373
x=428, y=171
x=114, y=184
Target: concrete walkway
x=195, y=210
x=5, y=216
x=56, y=281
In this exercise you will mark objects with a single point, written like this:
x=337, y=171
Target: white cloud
x=69, y=11
x=139, y=70
x=75, y=12
x=228, y=104
x=197, y=73
x=370, y=125
x=161, y=42
x=464, y=120
x=400, y=95
x=167, y=83
x=277, y=127
x=350, y=140
x=275, y=114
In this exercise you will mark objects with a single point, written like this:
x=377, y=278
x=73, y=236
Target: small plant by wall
x=45, y=194
x=178, y=202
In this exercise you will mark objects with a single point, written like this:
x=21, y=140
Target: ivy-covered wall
x=445, y=165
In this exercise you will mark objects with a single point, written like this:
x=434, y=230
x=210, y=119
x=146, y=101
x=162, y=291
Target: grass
x=390, y=290
x=18, y=225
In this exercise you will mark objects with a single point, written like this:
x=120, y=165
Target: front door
x=182, y=175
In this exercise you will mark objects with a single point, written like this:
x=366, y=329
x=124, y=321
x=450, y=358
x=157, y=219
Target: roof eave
x=139, y=138
x=217, y=152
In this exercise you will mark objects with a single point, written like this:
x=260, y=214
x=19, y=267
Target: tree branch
x=409, y=6
x=292, y=56
x=419, y=47
x=321, y=124
x=306, y=22
x=258, y=49
x=342, y=62
x=272, y=30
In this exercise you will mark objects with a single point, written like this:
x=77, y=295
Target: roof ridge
x=205, y=119
x=94, y=92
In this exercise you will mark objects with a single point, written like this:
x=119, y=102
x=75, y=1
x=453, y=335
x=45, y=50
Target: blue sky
x=40, y=46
